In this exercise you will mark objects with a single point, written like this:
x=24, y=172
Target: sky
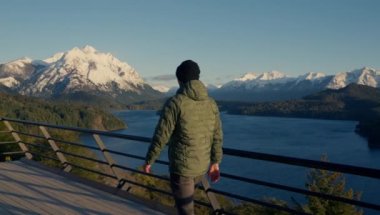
x=226, y=38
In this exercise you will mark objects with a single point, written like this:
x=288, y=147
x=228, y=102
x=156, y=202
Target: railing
x=213, y=202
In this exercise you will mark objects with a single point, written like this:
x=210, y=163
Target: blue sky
x=227, y=38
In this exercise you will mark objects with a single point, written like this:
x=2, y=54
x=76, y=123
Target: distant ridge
x=354, y=102
x=276, y=86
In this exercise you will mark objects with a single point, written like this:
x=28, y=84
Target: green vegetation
x=118, y=100
x=147, y=105
x=75, y=115
x=332, y=183
x=59, y=113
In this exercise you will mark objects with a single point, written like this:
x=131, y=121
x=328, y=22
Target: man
x=190, y=125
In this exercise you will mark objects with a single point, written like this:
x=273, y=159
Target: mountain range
x=353, y=102
x=87, y=75
x=272, y=86
x=82, y=74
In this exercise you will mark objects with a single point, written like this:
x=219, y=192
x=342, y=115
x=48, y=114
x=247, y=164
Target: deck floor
x=26, y=189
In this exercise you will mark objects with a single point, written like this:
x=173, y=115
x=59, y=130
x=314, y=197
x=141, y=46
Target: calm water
x=303, y=138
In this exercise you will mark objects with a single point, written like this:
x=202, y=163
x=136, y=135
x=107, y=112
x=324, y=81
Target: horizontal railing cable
x=141, y=172
x=38, y=145
x=148, y=187
x=44, y=156
x=12, y=153
x=30, y=135
x=134, y=156
x=83, y=157
x=8, y=142
x=75, y=144
x=92, y=170
x=82, y=130
x=362, y=171
x=125, y=154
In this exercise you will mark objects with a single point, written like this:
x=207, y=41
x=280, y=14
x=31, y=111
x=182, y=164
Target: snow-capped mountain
x=212, y=87
x=277, y=86
x=16, y=71
x=9, y=82
x=311, y=76
x=252, y=80
x=83, y=70
x=173, y=90
x=161, y=88
x=77, y=71
x=365, y=76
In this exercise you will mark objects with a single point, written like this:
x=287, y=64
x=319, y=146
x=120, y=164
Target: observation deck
x=39, y=175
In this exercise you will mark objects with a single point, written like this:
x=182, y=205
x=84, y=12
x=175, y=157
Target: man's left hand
x=147, y=168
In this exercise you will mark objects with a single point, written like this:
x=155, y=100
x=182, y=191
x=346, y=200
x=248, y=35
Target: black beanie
x=188, y=70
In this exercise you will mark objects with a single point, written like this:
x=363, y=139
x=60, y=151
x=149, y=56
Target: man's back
x=194, y=133
x=190, y=124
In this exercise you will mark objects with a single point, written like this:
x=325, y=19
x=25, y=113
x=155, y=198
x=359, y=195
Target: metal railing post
x=111, y=162
x=17, y=138
x=211, y=196
x=66, y=166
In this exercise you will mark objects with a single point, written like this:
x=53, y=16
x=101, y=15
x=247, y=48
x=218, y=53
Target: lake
x=302, y=138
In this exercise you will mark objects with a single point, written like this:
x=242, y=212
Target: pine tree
x=332, y=183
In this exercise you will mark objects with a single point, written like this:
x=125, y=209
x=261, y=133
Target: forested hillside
x=69, y=114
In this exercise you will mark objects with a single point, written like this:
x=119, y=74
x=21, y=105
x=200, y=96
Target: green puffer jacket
x=190, y=124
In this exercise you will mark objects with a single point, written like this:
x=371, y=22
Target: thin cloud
x=170, y=77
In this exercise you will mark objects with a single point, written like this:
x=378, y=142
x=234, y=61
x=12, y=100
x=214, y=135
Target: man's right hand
x=147, y=168
x=214, y=173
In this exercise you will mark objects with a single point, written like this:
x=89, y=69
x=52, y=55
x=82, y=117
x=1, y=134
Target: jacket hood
x=194, y=89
